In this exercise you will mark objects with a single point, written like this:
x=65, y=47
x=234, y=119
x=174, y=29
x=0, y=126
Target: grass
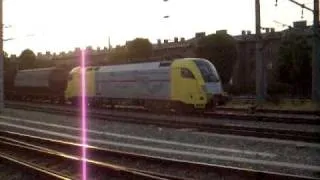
x=294, y=105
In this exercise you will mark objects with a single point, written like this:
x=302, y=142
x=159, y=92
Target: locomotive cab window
x=186, y=73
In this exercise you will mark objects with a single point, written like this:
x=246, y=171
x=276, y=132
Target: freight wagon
x=43, y=83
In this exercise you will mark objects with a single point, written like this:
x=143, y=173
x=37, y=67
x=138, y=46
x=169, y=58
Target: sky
x=63, y=25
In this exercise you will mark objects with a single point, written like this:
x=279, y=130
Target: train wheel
x=112, y=106
x=152, y=106
x=158, y=106
x=75, y=102
x=95, y=104
x=183, y=109
x=62, y=100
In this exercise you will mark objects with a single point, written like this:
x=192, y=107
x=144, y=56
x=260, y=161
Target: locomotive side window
x=186, y=73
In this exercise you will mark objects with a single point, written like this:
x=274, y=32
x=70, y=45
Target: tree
x=43, y=63
x=294, y=63
x=27, y=59
x=6, y=61
x=118, y=55
x=139, y=48
x=221, y=50
x=5, y=54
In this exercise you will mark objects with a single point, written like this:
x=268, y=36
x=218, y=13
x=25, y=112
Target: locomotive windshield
x=208, y=71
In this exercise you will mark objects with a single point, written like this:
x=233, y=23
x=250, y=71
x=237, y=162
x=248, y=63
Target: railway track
x=46, y=163
x=198, y=124
x=289, y=112
x=106, y=163
x=13, y=167
x=251, y=100
x=221, y=113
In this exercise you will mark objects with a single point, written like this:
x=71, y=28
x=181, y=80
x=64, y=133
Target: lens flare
x=83, y=115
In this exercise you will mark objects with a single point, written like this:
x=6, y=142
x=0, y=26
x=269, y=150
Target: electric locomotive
x=186, y=83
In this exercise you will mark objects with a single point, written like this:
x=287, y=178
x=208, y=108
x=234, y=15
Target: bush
x=236, y=90
x=279, y=89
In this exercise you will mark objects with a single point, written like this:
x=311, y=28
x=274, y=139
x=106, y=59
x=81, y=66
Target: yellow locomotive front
x=212, y=85
x=73, y=91
x=192, y=83
x=195, y=82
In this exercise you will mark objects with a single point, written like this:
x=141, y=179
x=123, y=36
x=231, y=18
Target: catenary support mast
x=260, y=70
x=1, y=58
x=316, y=55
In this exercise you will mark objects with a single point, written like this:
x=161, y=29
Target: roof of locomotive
x=129, y=67
x=126, y=67
x=133, y=66
x=141, y=66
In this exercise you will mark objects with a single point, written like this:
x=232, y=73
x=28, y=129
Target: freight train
x=181, y=84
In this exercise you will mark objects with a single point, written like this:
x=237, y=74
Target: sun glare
x=83, y=114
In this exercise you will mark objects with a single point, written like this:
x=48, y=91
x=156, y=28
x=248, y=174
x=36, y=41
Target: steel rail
x=48, y=160
x=146, y=160
x=33, y=170
x=174, y=122
x=221, y=113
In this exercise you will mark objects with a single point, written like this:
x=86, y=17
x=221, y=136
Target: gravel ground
x=209, y=147
x=229, y=122
x=10, y=172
